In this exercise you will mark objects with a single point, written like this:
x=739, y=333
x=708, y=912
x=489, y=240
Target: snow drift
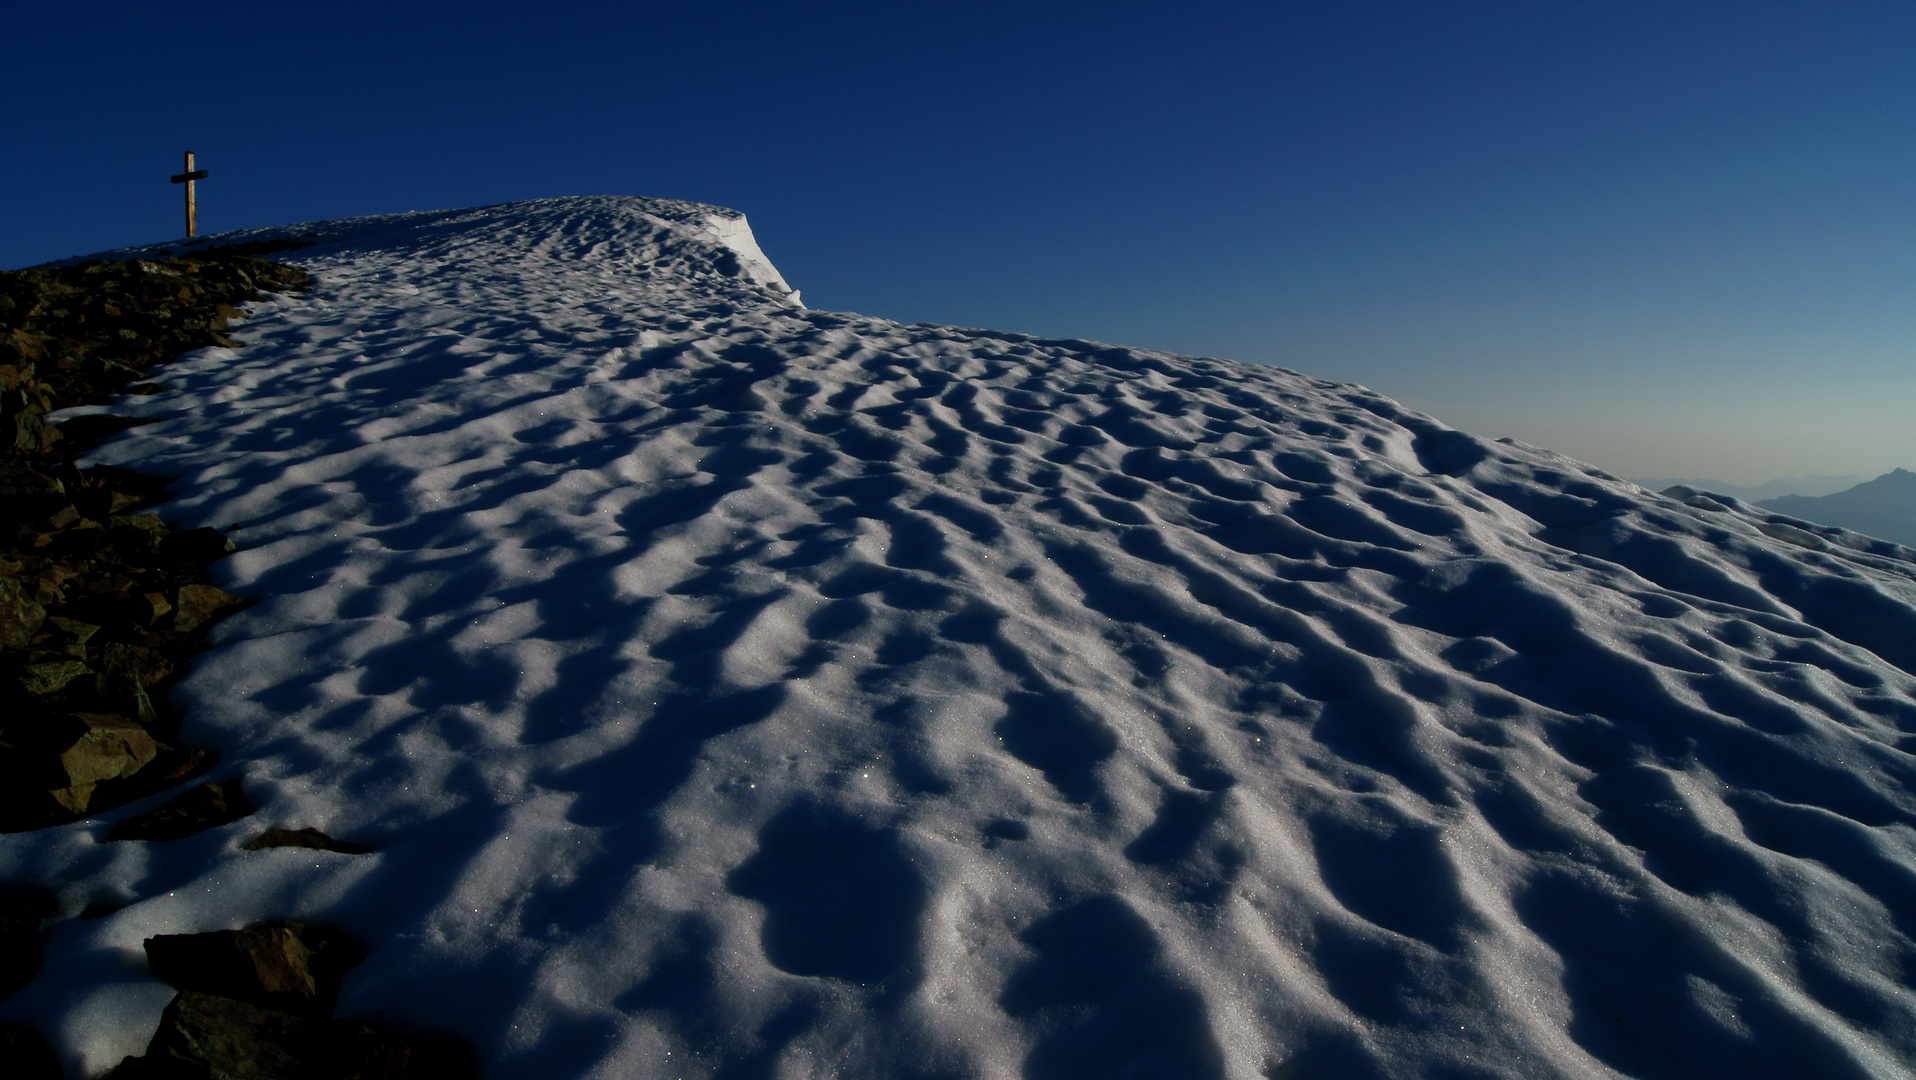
x=737, y=690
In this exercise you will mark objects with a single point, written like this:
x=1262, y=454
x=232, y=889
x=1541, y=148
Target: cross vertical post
x=192, y=204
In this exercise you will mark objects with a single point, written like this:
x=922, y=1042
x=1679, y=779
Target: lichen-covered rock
x=20, y=616
x=30, y=432
x=52, y=676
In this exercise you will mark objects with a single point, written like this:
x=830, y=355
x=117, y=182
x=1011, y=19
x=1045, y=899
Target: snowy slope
x=736, y=690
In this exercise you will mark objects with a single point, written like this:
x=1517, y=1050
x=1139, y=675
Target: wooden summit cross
x=192, y=206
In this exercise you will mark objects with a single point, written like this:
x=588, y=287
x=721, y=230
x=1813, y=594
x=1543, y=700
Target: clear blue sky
x=1667, y=238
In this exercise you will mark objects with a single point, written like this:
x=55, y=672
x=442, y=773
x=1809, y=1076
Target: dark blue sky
x=1669, y=239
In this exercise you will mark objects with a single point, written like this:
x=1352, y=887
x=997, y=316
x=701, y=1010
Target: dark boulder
x=277, y=837
x=206, y=1037
x=279, y=964
x=196, y=810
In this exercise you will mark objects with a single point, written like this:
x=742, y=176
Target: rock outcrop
x=101, y=608
x=100, y=605
x=255, y=1004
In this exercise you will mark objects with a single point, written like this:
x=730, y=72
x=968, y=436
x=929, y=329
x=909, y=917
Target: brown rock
x=78, y=632
x=31, y=433
x=108, y=584
x=51, y=676
x=205, y=1037
x=31, y=776
x=146, y=665
x=49, y=585
x=136, y=536
x=146, y=523
x=200, y=604
x=108, y=748
x=197, y=810
x=20, y=617
x=144, y=609
x=277, y=837
x=275, y=965
x=20, y=482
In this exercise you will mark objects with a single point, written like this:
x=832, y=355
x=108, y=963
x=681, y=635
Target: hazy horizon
x=1669, y=242
x=1772, y=488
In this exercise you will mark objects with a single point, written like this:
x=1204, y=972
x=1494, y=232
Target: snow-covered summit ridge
x=737, y=690
x=665, y=239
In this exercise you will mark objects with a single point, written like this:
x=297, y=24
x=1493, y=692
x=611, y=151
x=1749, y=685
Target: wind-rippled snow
x=736, y=690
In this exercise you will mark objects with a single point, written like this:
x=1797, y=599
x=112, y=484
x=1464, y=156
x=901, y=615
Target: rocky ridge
x=102, y=606
x=100, y=603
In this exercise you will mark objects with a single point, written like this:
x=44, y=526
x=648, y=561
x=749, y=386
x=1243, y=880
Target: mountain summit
x=1885, y=507
x=730, y=689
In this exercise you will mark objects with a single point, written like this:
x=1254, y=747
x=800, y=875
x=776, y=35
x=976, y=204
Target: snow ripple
x=738, y=690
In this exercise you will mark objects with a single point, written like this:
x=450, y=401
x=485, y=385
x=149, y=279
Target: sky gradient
x=1667, y=240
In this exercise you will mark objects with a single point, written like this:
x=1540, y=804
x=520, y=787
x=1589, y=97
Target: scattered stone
x=197, y=605
x=76, y=631
x=19, y=482
x=197, y=810
x=104, y=747
x=277, y=837
x=20, y=616
x=23, y=908
x=30, y=433
x=52, y=676
x=205, y=1037
x=35, y=791
x=148, y=666
x=279, y=964
x=254, y=1005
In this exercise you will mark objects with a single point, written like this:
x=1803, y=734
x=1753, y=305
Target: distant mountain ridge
x=1884, y=507
x=1815, y=484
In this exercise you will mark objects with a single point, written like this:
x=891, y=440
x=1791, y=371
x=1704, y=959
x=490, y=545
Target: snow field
x=737, y=690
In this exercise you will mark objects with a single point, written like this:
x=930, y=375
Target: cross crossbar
x=198, y=174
